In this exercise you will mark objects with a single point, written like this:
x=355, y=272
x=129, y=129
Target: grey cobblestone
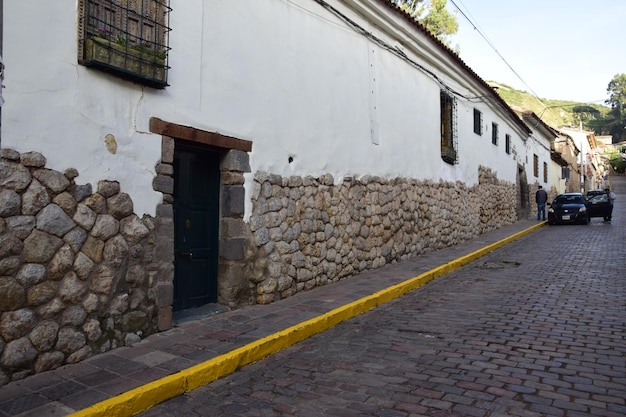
x=546, y=337
x=534, y=329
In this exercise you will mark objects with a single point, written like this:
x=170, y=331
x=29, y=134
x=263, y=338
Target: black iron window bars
x=128, y=38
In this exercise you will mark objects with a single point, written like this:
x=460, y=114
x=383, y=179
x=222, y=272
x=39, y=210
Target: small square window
x=564, y=173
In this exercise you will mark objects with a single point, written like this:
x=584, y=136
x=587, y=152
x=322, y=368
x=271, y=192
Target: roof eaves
x=455, y=57
x=535, y=120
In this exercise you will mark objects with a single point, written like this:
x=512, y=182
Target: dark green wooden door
x=196, y=211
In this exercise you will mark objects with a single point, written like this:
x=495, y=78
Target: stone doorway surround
x=233, y=283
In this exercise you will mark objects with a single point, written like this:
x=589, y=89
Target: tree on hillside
x=616, y=125
x=585, y=113
x=433, y=15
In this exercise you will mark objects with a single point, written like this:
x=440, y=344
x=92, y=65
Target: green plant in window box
x=118, y=53
x=448, y=154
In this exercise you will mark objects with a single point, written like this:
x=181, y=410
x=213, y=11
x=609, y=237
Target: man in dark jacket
x=541, y=198
x=611, y=196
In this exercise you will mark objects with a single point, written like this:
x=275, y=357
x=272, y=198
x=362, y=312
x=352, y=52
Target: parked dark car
x=598, y=204
x=569, y=208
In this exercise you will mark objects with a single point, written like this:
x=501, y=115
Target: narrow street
x=537, y=328
x=534, y=328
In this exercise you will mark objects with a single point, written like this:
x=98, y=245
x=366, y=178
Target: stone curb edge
x=142, y=398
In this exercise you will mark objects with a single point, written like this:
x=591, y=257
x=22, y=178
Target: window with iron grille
x=478, y=122
x=448, y=128
x=128, y=38
x=545, y=172
x=535, y=165
x=494, y=133
x=507, y=143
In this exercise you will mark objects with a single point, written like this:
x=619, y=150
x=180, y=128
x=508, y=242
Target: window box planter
x=135, y=64
x=449, y=155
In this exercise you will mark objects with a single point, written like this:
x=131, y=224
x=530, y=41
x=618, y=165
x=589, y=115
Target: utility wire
x=491, y=45
x=477, y=28
x=380, y=42
x=396, y=51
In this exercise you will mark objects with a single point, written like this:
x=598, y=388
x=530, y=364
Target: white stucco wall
x=287, y=75
x=61, y=109
x=540, y=146
x=555, y=180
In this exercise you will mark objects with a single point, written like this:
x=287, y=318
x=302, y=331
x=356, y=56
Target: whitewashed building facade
x=224, y=153
x=591, y=166
x=545, y=169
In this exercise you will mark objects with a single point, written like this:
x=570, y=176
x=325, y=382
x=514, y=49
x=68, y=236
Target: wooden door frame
x=232, y=239
x=177, y=131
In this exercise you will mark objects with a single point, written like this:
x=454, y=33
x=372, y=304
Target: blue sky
x=561, y=49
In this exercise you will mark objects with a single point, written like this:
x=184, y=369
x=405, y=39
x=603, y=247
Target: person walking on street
x=541, y=198
x=611, y=195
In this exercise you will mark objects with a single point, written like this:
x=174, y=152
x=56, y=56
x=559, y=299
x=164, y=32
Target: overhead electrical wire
x=398, y=52
x=360, y=29
x=394, y=50
x=471, y=20
x=476, y=27
x=492, y=46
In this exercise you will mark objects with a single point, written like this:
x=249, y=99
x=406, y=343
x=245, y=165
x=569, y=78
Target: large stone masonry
x=236, y=249
x=309, y=232
x=79, y=271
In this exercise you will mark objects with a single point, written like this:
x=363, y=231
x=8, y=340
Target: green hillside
x=554, y=112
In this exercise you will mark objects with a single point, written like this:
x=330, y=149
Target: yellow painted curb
x=142, y=398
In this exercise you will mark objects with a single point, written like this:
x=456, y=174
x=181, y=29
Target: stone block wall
x=235, y=248
x=309, y=232
x=79, y=271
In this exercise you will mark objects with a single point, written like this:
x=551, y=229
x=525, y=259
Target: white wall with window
x=557, y=177
x=348, y=88
x=538, y=150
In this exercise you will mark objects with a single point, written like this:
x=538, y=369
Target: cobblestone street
x=537, y=328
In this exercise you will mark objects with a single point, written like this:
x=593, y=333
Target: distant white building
x=605, y=140
x=592, y=166
x=547, y=171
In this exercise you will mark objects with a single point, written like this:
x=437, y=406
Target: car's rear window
x=596, y=199
x=569, y=199
x=594, y=193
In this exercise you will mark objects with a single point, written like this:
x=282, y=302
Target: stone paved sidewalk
x=543, y=317
x=536, y=328
x=194, y=340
